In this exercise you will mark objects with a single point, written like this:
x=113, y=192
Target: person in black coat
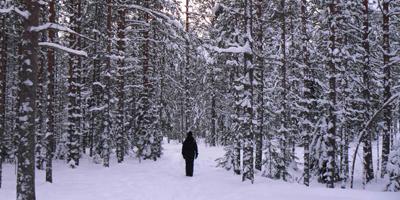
x=189, y=152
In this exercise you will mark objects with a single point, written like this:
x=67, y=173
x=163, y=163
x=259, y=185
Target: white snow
x=52, y=26
x=24, y=14
x=165, y=180
x=63, y=48
x=234, y=49
x=28, y=82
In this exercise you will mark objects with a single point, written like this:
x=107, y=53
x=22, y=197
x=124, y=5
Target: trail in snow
x=165, y=180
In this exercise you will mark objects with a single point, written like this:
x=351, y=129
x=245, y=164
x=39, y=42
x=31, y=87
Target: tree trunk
x=260, y=87
x=3, y=83
x=332, y=118
x=50, y=97
x=120, y=81
x=368, y=167
x=284, y=134
x=26, y=104
x=213, y=136
x=308, y=94
x=387, y=81
x=186, y=71
x=237, y=146
x=74, y=130
x=106, y=125
x=247, y=121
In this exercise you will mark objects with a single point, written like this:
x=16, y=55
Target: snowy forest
x=300, y=91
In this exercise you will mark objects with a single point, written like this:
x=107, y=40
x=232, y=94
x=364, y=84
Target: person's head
x=190, y=134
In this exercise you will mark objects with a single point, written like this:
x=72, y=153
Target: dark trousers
x=189, y=167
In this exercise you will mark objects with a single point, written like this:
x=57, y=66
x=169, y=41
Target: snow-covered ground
x=165, y=180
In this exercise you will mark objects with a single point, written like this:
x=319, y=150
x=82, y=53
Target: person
x=189, y=152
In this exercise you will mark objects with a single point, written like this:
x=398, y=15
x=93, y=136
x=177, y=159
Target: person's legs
x=189, y=167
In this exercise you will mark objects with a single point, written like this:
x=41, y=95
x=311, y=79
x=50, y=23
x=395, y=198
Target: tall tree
x=387, y=83
x=259, y=88
x=120, y=132
x=75, y=62
x=283, y=131
x=368, y=167
x=308, y=93
x=3, y=81
x=331, y=118
x=247, y=96
x=50, y=140
x=26, y=102
x=106, y=128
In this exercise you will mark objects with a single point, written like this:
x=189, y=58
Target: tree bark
x=367, y=149
x=74, y=130
x=332, y=118
x=308, y=93
x=120, y=84
x=387, y=81
x=259, y=131
x=247, y=119
x=26, y=104
x=50, y=97
x=3, y=81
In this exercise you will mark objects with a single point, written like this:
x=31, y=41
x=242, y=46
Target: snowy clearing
x=165, y=180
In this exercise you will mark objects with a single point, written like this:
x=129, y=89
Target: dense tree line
x=322, y=71
x=100, y=78
x=111, y=78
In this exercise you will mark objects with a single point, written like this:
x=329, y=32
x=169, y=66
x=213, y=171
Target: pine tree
x=387, y=83
x=41, y=93
x=3, y=82
x=247, y=96
x=368, y=168
x=26, y=103
x=284, y=156
x=106, y=126
x=309, y=91
x=50, y=139
x=120, y=132
x=75, y=63
x=259, y=87
x=332, y=118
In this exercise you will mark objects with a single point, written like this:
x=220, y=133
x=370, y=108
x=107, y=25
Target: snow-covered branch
x=154, y=14
x=235, y=49
x=364, y=131
x=57, y=27
x=63, y=48
x=52, y=26
x=24, y=14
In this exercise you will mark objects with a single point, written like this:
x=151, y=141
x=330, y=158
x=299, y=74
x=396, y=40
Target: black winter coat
x=189, y=148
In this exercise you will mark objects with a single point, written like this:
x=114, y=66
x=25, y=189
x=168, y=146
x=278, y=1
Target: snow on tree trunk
x=26, y=104
x=332, y=118
x=387, y=84
x=74, y=108
x=247, y=98
x=393, y=169
x=368, y=167
x=3, y=79
x=259, y=88
x=50, y=143
x=120, y=132
x=308, y=94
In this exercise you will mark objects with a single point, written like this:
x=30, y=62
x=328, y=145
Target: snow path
x=165, y=180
